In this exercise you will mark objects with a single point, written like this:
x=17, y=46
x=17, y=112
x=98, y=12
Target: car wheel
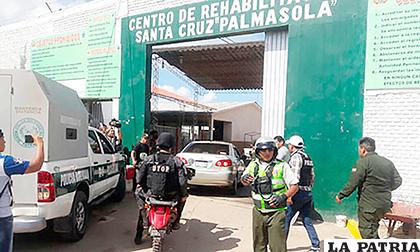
x=119, y=192
x=78, y=218
x=239, y=179
x=234, y=187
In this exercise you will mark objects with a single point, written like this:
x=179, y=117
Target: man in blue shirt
x=8, y=167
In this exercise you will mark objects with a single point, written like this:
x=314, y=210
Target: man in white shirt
x=302, y=165
x=283, y=152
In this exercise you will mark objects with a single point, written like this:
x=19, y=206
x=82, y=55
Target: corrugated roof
x=224, y=66
x=167, y=105
x=219, y=107
x=178, y=98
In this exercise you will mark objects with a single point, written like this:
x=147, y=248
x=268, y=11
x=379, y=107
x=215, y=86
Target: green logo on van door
x=24, y=127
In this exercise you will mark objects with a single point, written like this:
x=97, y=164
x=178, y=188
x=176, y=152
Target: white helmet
x=296, y=141
x=263, y=143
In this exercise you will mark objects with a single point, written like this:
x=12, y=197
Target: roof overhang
x=216, y=67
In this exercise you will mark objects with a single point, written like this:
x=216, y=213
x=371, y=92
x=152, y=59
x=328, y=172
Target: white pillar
x=116, y=108
x=274, y=83
x=211, y=126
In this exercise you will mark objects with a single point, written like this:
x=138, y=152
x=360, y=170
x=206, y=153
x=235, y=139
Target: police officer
x=270, y=179
x=302, y=202
x=375, y=177
x=161, y=176
x=10, y=166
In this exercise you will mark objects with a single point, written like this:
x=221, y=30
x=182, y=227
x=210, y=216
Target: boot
x=180, y=207
x=139, y=237
x=139, y=231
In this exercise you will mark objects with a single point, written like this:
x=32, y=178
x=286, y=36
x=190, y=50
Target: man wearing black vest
x=162, y=176
x=302, y=202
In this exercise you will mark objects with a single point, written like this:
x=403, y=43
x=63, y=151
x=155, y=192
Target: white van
x=81, y=166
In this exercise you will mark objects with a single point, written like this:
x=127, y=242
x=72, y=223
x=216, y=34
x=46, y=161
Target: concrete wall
x=392, y=118
x=16, y=38
x=244, y=119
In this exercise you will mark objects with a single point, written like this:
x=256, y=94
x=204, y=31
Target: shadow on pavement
x=196, y=235
x=340, y=237
x=214, y=191
x=111, y=228
x=299, y=248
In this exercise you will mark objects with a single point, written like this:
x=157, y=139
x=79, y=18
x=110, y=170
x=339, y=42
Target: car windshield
x=208, y=148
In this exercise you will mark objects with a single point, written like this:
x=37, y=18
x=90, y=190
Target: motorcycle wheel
x=157, y=244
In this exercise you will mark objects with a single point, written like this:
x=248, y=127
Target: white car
x=80, y=167
x=61, y=192
x=215, y=163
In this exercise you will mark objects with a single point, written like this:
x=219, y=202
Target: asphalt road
x=212, y=221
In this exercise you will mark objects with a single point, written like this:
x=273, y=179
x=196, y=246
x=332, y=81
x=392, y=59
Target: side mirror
x=118, y=148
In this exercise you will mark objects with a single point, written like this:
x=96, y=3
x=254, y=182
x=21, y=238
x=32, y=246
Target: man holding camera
x=115, y=139
x=10, y=166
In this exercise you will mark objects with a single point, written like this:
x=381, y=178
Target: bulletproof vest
x=162, y=176
x=306, y=170
x=267, y=184
x=262, y=184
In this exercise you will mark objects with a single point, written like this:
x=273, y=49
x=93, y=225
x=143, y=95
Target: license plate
x=201, y=164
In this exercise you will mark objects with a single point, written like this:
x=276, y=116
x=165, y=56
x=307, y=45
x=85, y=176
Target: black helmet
x=264, y=143
x=166, y=140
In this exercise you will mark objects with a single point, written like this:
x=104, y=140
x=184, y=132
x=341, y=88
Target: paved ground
x=211, y=221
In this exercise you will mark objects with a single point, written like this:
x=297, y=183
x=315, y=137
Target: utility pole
x=48, y=7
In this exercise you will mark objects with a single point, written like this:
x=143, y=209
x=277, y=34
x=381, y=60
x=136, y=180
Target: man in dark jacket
x=162, y=176
x=138, y=153
x=375, y=177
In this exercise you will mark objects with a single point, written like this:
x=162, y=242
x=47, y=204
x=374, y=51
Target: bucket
x=341, y=220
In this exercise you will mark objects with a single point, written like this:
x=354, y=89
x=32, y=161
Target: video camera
x=115, y=123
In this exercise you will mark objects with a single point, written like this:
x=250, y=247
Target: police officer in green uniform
x=269, y=178
x=375, y=177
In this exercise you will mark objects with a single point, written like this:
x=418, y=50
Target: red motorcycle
x=161, y=215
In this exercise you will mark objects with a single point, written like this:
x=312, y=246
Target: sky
x=18, y=10
x=172, y=83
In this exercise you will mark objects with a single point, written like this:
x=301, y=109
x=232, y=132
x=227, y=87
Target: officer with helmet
x=161, y=176
x=273, y=183
x=302, y=202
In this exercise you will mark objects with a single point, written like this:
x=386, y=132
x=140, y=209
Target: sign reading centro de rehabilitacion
x=222, y=17
x=393, y=44
x=89, y=55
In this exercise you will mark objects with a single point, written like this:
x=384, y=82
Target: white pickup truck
x=81, y=166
